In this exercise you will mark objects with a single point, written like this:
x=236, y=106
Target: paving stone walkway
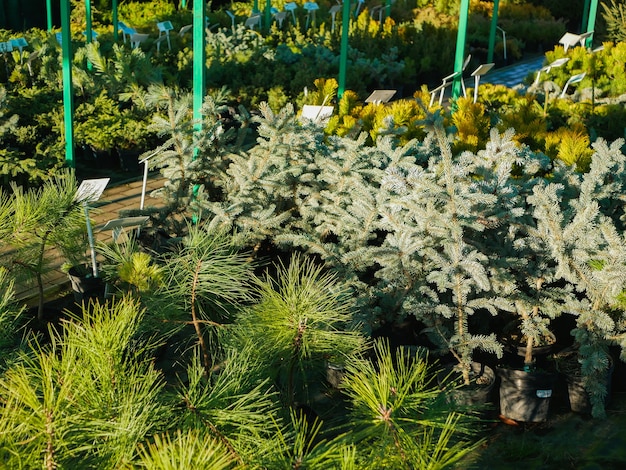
x=509, y=75
x=512, y=75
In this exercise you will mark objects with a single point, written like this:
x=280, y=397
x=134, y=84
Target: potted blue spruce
x=580, y=220
x=447, y=215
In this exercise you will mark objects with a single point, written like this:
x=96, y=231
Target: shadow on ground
x=566, y=441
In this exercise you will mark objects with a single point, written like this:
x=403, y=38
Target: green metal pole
x=388, y=9
x=460, y=49
x=268, y=15
x=199, y=63
x=585, y=16
x=492, y=31
x=66, y=47
x=255, y=7
x=115, y=20
x=49, y=13
x=343, y=50
x=88, y=20
x=199, y=68
x=183, y=3
x=591, y=24
x=88, y=27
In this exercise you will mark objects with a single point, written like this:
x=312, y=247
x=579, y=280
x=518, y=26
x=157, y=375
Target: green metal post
x=585, y=16
x=199, y=67
x=460, y=49
x=66, y=46
x=88, y=27
x=88, y=20
x=49, y=14
x=199, y=62
x=268, y=15
x=388, y=9
x=183, y=3
x=255, y=7
x=343, y=50
x=492, y=31
x=115, y=20
x=591, y=24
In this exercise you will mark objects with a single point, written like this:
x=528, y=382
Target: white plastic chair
x=311, y=8
x=185, y=29
x=253, y=22
x=127, y=31
x=292, y=7
x=232, y=19
x=333, y=13
x=137, y=38
x=164, y=30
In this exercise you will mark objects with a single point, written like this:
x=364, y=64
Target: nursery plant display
x=376, y=187
x=360, y=212
x=276, y=66
x=292, y=245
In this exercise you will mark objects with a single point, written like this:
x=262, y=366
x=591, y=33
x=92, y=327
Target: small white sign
x=316, y=113
x=91, y=190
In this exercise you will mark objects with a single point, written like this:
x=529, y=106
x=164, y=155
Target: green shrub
x=145, y=15
x=614, y=14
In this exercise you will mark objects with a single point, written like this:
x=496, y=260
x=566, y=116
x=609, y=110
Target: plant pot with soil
x=525, y=382
x=84, y=284
x=477, y=393
x=525, y=395
x=568, y=366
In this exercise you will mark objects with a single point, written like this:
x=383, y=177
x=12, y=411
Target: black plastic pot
x=567, y=365
x=478, y=393
x=577, y=396
x=525, y=396
x=84, y=285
